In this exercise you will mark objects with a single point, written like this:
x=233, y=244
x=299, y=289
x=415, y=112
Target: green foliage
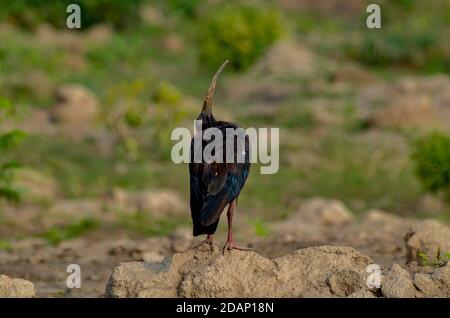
x=186, y=7
x=170, y=112
x=395, y=47
x=11, y=139
x=30, y=13
x=261, y=228
x=240, y=34
x=439, y=260
x=167, y=94
x=431, y=155
x=5, y=245
x=414, y=34
x=297, y=117
x=127, y=114
x=57, y=234
x=8, y=140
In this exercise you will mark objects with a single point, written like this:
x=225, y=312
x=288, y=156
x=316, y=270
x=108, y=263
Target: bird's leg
x=209, y=239
x=230, y=245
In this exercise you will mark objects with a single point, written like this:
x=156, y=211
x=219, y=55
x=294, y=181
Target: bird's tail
x=212, y=208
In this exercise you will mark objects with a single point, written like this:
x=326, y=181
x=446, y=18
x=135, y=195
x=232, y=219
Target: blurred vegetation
x=147, y=85
x=57, y=234
x=8, y=140
x=186, y=7
x=260, y=227
x=143, y=223
x=439, y=260
x=30, y=13
x=431, y=155
x=238, y=34
x=413, y=34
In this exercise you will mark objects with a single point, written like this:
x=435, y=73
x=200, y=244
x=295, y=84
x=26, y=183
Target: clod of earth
x=16, y=288
x=324, y=271
x=400, y=283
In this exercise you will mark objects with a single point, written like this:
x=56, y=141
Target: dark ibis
x=217, y=184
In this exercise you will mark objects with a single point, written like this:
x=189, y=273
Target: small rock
x=324, y=212
x=181, y=239
x=152, y=257
x=426, y=285
x=151, y=15
x=160, y=203
x=76, y=108
x=441, y=277
x=427, y=237
x=16, y=288
x=173, y=43
x=99, y=34
x=397, y=283
x=287, y=58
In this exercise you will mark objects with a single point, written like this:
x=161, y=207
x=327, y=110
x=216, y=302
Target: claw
x=209, y=240
x=229, y=245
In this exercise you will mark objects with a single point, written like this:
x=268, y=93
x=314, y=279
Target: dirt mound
x=324, y=271
x=16, y=288
x=415, y=111
x=36, y=185
x=322, y=211
x=287, y=58
x=270, y=79
x=408, y=103
x=75, y=111
x=159, y=203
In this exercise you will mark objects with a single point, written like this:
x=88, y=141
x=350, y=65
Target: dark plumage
x=215, y=185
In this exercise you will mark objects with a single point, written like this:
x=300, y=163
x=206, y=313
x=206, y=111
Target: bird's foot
x=208, y=241
x=230, y=245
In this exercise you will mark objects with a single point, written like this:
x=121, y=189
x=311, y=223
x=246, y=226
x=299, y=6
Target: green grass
x=260, y=227
x=80, y=169
x=5, y=245
x=440, y=259
x=361, y=175
x=57, y=234
x=143, y=223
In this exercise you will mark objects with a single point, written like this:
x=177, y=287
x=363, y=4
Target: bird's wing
x=222, y=189
x=217, y=183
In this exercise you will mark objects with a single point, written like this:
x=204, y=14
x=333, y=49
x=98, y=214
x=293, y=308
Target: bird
x=214, y=185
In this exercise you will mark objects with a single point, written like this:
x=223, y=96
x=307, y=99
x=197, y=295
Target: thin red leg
x=230, y=245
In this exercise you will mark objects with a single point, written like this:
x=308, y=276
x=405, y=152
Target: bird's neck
x=207, y=119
